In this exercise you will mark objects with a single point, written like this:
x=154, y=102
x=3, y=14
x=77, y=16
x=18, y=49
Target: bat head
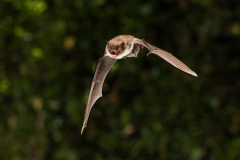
x=119, y=46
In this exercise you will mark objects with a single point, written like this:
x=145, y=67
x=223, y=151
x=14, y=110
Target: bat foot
x=141, y=46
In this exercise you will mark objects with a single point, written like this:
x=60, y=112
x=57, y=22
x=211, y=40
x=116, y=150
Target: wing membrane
x=166, y=56
x=103, y=67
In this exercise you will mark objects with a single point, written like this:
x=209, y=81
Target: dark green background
x=150, y=110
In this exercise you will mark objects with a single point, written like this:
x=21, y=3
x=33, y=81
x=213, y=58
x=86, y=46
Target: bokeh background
x=150, y=110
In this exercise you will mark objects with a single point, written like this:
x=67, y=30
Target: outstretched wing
x=103, y=66
x=165, y=55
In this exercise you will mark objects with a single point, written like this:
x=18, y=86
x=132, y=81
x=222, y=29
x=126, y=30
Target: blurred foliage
x=150, y=110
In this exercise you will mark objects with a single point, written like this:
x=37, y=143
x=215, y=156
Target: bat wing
x=103, y=66
x=166, y=56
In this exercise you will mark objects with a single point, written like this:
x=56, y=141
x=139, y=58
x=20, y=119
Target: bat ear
x=106, y=42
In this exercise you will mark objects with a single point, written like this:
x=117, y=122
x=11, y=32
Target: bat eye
x=122, y=45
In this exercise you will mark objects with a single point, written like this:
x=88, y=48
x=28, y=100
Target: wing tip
x=82, y=130
x=193, y=73
x=188, y=70
x=84, y=126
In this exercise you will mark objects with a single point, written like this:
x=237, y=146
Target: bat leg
x=134, y=54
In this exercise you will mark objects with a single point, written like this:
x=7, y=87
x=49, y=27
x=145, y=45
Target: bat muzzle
x=114, y=53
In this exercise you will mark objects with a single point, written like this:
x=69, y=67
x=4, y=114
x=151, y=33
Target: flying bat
x=119, y=47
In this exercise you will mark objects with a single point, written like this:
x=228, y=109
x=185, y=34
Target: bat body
x=117, y=48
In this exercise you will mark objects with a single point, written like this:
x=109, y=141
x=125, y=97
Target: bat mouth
x=113, y=54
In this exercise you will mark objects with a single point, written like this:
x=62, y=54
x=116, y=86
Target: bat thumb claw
x=148, y=54
x=95, y=80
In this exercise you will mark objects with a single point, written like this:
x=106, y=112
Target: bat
x=119, y=47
